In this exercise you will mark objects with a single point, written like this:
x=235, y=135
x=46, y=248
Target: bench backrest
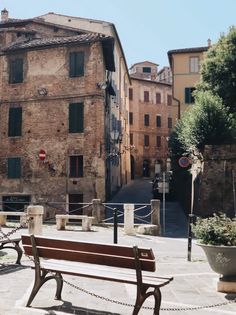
x=93, y=253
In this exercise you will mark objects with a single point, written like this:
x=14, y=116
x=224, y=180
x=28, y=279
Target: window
x=16, y=71
x=130, y=94
x=131, y=139
x=189, y=98
x=158, y=121
x=146, y=140
x=146, y=96
x=169, y=100
x=76, y=64
x=76, y=166
x=158, y=98
x=130, y=118
x=158, y=140
x=15, y=122
x=146, y=70
x=76, y=117
x=169, y=122
x=194, y=65
x=146, y=120
x=14, y=167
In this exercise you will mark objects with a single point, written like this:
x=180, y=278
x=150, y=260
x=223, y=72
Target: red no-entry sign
x=184, y=161
x=42, y=155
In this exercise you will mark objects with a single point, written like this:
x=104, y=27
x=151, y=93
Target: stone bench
x=62, y=219
x=4, y=214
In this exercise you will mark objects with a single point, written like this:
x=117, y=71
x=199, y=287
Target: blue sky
x=147, y=28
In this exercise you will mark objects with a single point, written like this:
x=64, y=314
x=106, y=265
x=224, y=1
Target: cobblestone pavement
x=194, y=282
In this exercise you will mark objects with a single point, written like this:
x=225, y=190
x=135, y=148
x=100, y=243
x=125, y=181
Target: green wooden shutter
x=14, y=167
x=15, y=122
x=76, y=64
x=76, y=117
x=187, y=95
x=16, y=71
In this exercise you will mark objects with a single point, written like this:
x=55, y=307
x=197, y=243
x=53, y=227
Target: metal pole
x=164, y=203
x=115, y=220
x=190, y=235
x=234, y=193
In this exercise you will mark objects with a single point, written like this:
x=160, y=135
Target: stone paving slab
x=194, y=283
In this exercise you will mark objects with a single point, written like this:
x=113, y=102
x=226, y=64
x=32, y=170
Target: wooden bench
x=12, y=244
x=54, y=257
x=4, y=214
x=62, y=219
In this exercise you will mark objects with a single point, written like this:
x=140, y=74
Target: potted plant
x=217, y=237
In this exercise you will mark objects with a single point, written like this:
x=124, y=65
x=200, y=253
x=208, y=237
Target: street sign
x=184, y=161
x=42, y=155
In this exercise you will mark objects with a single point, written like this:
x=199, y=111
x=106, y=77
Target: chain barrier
x=189, y=308
x=7, y=235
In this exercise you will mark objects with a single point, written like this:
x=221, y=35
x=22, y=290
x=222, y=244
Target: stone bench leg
x=3, y=219
x=61, y=223
x=86, y=224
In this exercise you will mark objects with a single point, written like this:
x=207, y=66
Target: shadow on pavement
x=68, y=308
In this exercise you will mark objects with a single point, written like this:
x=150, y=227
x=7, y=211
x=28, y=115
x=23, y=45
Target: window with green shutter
x=16, y=71
x=76, y=166
x=76, y=64
x=76, y=117
x=15, y=122
x=189, y=98
x=14, y=167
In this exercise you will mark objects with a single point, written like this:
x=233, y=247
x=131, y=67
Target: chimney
x=209, y=42
x=4, y=15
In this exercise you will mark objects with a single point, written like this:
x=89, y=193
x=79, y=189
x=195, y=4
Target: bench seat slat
x=108, y=274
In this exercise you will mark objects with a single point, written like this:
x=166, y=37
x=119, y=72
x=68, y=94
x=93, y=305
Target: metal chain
x=7, y=235
x=191, y=308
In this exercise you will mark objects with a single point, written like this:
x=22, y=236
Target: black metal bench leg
x=59, y=281
x=157, y=297
x=19, y=253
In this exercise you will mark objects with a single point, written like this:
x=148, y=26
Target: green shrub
x=216, y=230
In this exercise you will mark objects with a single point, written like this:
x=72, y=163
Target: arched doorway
x=132, y=166
x=146, y=170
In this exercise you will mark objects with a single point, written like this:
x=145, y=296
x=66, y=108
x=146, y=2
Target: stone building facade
x=57, y=94
x=214, y=180
x=150, y=120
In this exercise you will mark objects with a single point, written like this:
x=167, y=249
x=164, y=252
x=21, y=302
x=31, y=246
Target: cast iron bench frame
x=12, y=244
x=54, y=257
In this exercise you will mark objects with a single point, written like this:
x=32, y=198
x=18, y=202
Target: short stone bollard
x=35, y=214
x=129, y=219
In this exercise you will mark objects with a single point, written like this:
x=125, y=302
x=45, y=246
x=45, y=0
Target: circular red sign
x=42, y=155
x=184, y=161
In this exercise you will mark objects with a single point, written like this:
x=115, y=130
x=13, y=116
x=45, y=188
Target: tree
x=218, y=71
x=207, y=122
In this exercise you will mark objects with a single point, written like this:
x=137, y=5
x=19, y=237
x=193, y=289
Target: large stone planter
x=222, y=260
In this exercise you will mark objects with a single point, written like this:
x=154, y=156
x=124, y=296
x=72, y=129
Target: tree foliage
x=218, y=71
x=207, y=122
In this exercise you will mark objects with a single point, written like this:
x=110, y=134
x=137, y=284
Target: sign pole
x=164, y=203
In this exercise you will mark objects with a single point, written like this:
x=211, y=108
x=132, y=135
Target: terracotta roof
x=150, y=81
x=43, y=42
x=188, y=50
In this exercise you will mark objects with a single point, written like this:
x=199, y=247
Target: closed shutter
x=16, y=71
x=76, y=166
x=14, y=167
x=76, y=64
x=187, y=95
x=158, y=121
x=15, y=122
x=76, y=117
